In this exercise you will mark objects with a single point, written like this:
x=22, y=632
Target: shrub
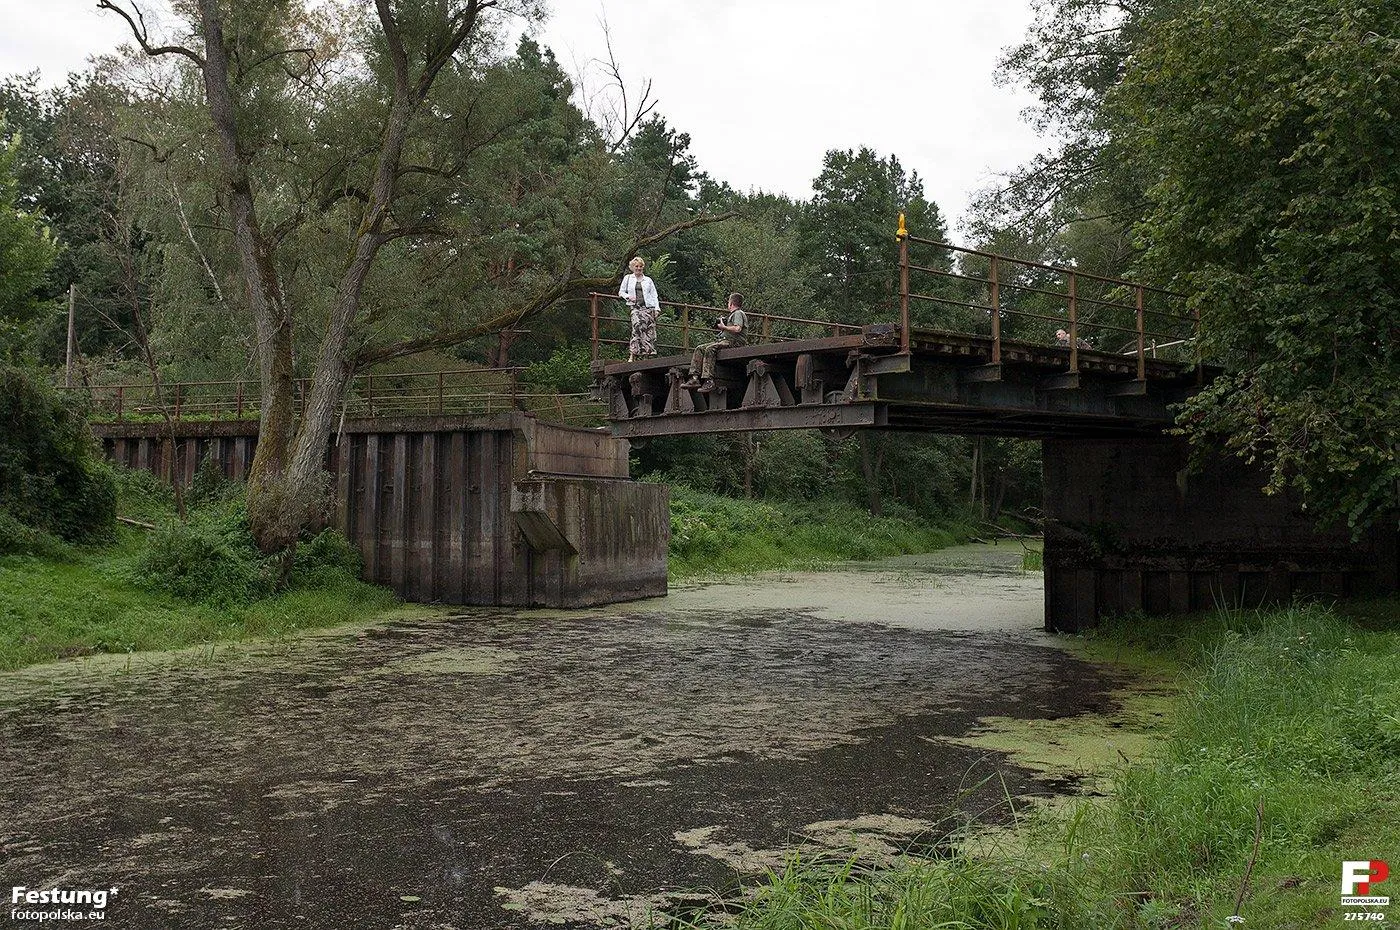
x=17, y=538
x=325, y=560
x=50, y=477
x=566, y=371
x=214, y=562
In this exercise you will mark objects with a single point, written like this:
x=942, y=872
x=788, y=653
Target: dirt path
x=499, y=769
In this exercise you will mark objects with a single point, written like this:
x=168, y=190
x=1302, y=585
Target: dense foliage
x=26, y=249
x=51, y=478
x=1283, y=228
x=712, y=534
x=198, y=581
x=1242, y=152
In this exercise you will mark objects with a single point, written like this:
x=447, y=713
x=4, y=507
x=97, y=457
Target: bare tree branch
x=562, y=284
x=142, y=35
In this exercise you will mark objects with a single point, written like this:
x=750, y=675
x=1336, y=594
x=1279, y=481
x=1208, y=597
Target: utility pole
x=72, y=336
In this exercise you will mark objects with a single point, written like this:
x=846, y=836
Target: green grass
x=61, y=601
x=1286, y=730
x=716, y=535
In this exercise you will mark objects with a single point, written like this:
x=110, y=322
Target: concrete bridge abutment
x=497, y=510
x=1132, y=526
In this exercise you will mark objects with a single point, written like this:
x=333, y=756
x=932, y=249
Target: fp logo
x=1357, y=878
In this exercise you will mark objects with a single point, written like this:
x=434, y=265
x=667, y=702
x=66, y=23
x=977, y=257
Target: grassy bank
x=1282, y=751
x=172, y=587
x=715, y=535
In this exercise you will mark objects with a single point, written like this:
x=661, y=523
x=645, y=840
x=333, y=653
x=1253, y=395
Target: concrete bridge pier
x=1130, y=526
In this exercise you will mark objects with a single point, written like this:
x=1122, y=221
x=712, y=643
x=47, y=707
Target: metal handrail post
x=1141, y=337
x=1073, y=324
x=902, y=235
x=996, y=312
x=593, y=317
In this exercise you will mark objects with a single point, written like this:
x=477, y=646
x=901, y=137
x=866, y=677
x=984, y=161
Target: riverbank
x=505, y=768
x=205, y=584
x=713, y=535
x=169, y=585
x=1276, y=762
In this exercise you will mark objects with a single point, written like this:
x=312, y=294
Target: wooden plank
x=370, y=525
x=397, y=513
x=424, y=519
x=455, y=501
x=481, y=522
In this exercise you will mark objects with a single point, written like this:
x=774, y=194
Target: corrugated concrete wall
x=500, y=510
x=1131, y=527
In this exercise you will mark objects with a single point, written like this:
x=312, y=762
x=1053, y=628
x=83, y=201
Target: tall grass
x=1281, y=760
x=712, y=534
x=180, y=584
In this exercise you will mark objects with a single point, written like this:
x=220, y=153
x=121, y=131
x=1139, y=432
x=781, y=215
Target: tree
x=345, y=158
x=66, y=162
x=26, y=251
x=847, y=231
x=1269, y=133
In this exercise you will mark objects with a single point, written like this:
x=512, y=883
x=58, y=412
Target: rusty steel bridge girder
x=946, y=382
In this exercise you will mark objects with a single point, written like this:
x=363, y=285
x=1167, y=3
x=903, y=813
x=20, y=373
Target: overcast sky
x=764, y=87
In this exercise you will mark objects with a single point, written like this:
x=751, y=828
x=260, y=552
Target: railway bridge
x=987, y=345
x=470, y=487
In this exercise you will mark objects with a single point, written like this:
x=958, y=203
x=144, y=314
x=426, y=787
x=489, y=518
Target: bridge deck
x=945, y=382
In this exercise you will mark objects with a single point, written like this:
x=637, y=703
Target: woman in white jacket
x=640, y=293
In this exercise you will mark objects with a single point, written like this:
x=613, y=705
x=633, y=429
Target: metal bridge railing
x=461, y=392
x=1035, y=302
x=993, y=295
x=686, y=326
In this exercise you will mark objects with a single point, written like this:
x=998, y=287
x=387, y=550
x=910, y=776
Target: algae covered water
x=496, y=768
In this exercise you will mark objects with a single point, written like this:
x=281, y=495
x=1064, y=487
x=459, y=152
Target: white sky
x=764, y=87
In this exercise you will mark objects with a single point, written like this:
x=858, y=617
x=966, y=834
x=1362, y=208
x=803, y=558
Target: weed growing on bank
x=1283, y=750
x=176, y=585
x=715, y=535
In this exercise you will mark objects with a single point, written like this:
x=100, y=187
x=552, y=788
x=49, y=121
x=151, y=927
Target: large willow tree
x=385, y=180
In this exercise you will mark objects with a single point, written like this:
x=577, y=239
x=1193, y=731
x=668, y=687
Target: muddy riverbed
x=486, y=769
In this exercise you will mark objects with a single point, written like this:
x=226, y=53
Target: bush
x=566, y=371
x=50, y=476
x=326, y=560
x=17, y=538
x=142, y=495
x=711, y=533
x=213, y=562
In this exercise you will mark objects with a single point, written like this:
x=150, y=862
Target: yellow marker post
x=902, y=235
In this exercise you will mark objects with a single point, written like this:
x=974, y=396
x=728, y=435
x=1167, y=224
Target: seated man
x=702, y=363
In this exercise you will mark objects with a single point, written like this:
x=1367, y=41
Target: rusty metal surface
x=947, y=382
x=981, y=381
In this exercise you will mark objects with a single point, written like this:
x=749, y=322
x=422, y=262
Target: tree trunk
x=870, y=468
x=976, y=464
x=271, y=318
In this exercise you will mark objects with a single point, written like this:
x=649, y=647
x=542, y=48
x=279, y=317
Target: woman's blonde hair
x=637, y=260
